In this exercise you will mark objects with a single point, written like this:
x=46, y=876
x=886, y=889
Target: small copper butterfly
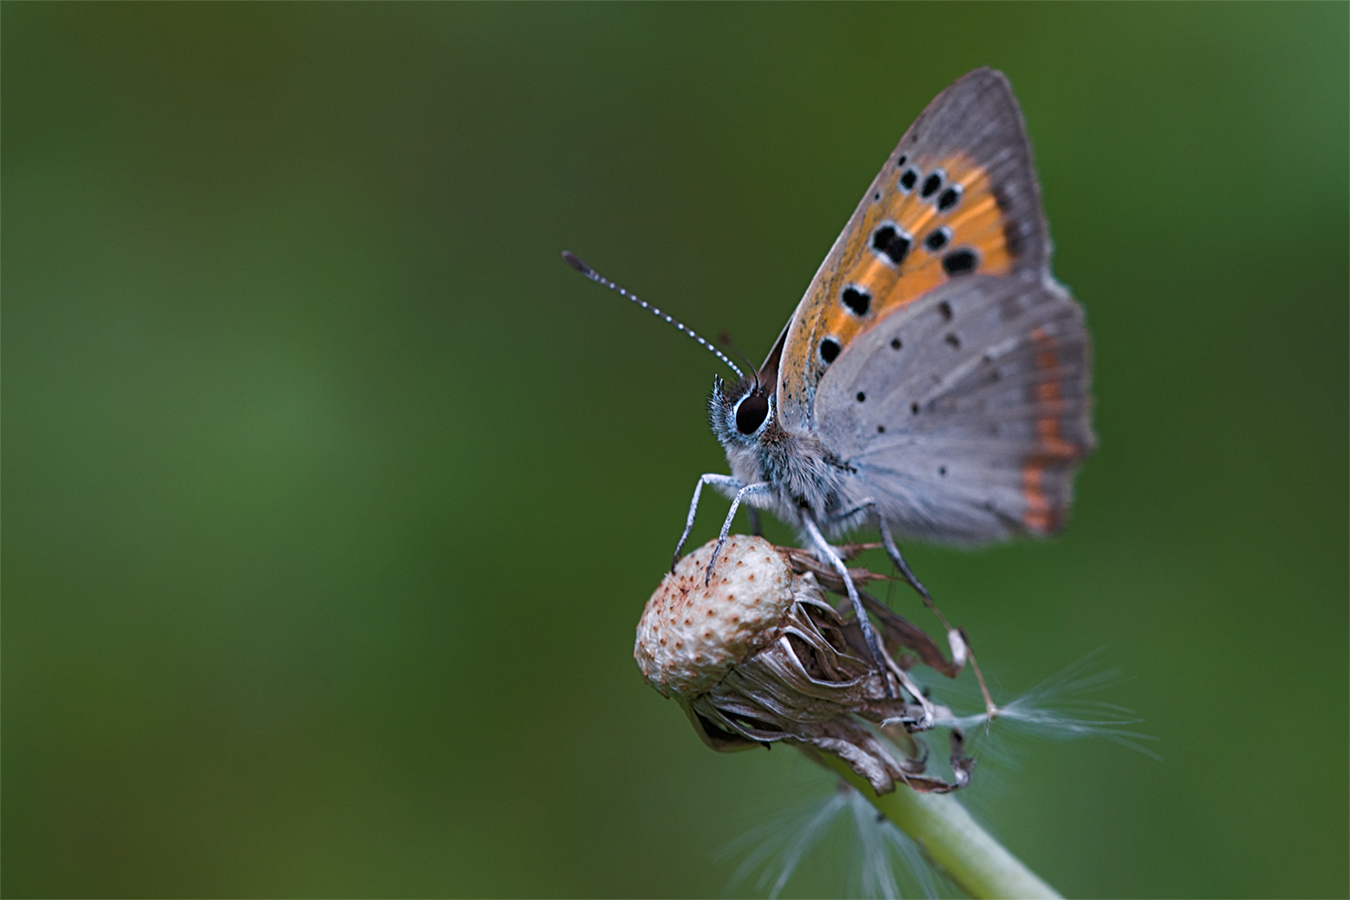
x=934, y=380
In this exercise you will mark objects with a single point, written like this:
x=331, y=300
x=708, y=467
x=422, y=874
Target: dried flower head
x=759, y=654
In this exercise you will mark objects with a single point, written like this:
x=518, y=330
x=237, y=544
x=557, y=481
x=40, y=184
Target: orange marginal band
x=1052, y=450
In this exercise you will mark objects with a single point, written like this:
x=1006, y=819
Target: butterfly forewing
x=957, y=198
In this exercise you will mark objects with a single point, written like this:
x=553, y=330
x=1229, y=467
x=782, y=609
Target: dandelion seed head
x=771, y=659
x=691, y=634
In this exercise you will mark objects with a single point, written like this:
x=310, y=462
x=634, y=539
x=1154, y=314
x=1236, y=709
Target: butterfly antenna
x=575, y=262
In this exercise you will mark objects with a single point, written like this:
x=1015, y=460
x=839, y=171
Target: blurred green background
x=331, y=496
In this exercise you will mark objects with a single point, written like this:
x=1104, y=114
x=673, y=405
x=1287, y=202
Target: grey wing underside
x=965, y=415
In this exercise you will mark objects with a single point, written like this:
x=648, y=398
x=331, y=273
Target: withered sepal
x=759, y=655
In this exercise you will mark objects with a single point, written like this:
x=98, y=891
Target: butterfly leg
x=724, y=481
x=828, y=553
x=842, y=519
x=894, y=553
x=755, y=527
x=956, y=638
x=758, y=487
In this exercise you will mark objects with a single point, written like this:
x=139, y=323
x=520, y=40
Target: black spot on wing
x=891, y=243
x=959, y=262
x=1001, y=198
x=1012, y=231
x=856, y=299
x=937, y=239
x=1012, y=237
x=829, y=350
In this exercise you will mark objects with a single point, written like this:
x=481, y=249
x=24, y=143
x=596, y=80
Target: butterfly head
x=740, y=414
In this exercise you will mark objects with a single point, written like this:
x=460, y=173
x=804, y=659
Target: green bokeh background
x=331, y=497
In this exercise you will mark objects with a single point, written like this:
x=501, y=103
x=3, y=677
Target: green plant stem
x=951, y=838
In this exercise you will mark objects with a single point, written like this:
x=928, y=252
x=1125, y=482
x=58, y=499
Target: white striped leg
x=894, y=553
x=759, y=487
x=827, y=553
x=710, y=478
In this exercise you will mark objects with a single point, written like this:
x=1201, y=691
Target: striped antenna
x=575, y=262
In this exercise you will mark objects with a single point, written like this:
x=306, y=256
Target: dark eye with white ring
x=751, y=411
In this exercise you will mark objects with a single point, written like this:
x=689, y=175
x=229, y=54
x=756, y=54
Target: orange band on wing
x=974, y=225
x=1052, y=450
x=1038, y=516
x=898, y=247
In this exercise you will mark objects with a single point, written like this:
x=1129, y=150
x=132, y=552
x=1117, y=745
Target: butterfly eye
x=751, y=412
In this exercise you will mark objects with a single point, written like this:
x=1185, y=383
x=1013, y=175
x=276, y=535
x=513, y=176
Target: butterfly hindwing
x=967, y=412
x=957, y=198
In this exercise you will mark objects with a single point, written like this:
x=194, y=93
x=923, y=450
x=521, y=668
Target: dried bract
x=759, y=655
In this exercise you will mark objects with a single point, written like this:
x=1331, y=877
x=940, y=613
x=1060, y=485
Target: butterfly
x=934, y=379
